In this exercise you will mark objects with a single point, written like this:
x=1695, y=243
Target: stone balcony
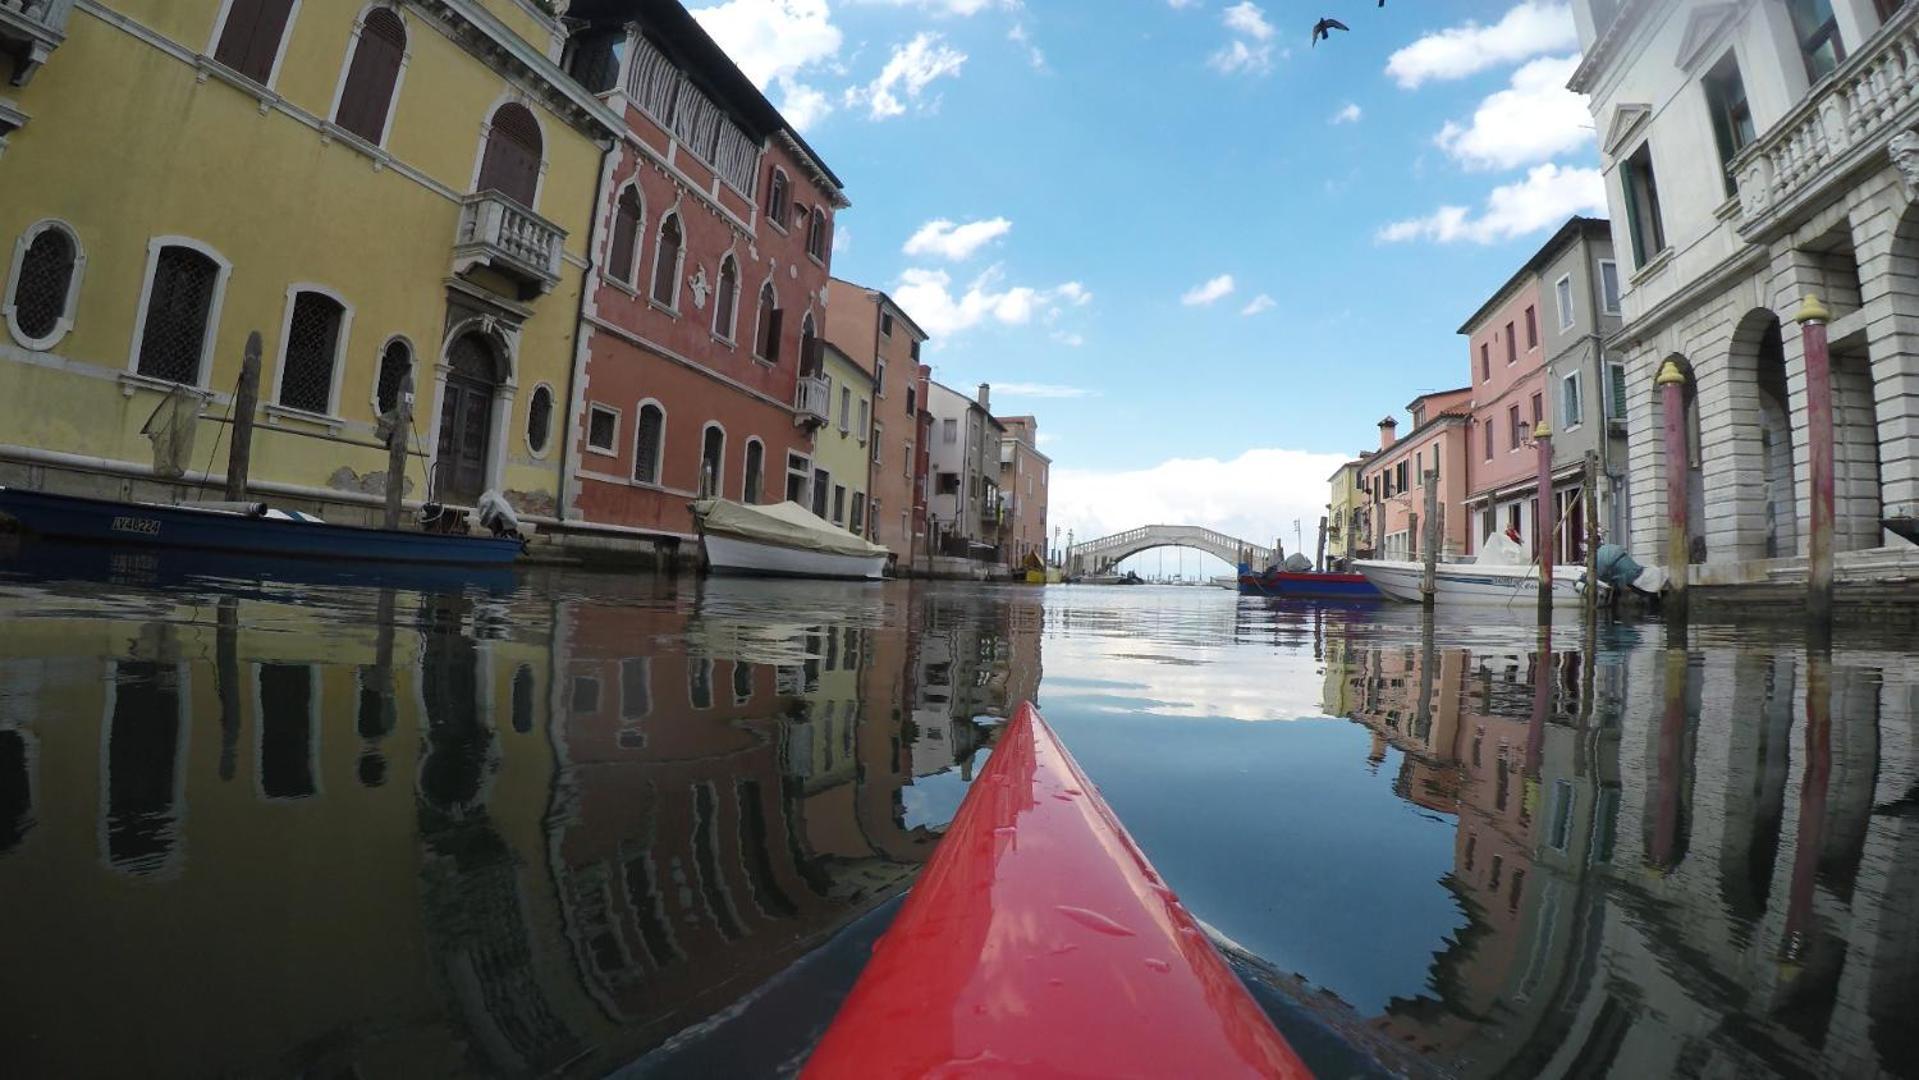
x=1846, y=125
x=812, y=401
x=502, y=236
x=29, y=32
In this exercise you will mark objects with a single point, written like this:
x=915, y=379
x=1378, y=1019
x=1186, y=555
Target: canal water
x=579, y=824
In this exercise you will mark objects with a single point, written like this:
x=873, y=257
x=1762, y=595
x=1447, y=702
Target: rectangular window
x=1539, y=413
x=1732, y=126
x=879, y=378
x=1512, y=346
x=1563, y=298
x=1609, y=286
x=907, y=460
x=250, y=40
x=602, y=429
x=1419, y=466
x=1400, y=480
x=858, y=524
x=1512, y=423
x=797, y=468
x=865, y=412
x=949, y=431
x=1532, y=327
x=912, y=401
x=1643, y=220
x=1818, y=33
x=886, y=324
x=1571, y=407
x=839, y=504
x=1436, y=457
x=948, y=484
x=1489, y=438
x=1485, y=361
x=846, y=408
x=878, y=430
x=1616, y=408
x=822, y=490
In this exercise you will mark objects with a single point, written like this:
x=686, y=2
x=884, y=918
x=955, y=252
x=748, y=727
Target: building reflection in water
x=405, y=834
x=1667, y=862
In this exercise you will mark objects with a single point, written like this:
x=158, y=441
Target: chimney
x=986, y=397
x=1388, y=433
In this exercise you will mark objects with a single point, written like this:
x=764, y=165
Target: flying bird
x=1323, y=30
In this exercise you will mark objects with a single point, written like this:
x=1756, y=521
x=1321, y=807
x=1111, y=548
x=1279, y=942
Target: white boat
x=784, y=540
x=1473, y=583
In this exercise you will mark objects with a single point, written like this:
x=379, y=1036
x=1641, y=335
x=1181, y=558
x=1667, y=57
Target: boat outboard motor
x=497, y=515
x=1618, y=568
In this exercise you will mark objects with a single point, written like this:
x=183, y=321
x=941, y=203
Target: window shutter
x=370, y=79
x=626, y=233
x=512, y=162
x=251, y=38
x=773, y=336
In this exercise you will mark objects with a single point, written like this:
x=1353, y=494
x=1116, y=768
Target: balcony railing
x=1848, y=118
x=811, y=400
x=503, y=236
x=29, y=32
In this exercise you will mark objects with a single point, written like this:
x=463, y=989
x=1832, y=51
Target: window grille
x=395, y=363
x=313, y=335
x=178, y=304
x=602, y=427
x=539, y=419
x=46, y=278
x=755, y=466
x=646, y=457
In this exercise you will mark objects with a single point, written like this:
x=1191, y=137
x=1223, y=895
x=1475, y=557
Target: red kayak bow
x=1040, y=942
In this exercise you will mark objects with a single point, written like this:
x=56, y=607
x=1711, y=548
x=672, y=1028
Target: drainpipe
x=569, y=458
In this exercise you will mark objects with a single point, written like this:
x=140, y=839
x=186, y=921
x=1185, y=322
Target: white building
x=1753, y=153
x=962, y=471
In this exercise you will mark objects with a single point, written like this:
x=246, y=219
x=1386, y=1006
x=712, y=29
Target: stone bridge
x=1098, y=556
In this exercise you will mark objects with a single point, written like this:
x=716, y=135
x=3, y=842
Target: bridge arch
x=1096, y=556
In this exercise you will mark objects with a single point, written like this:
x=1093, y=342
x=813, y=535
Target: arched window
x=754, y=473
x=622, y=256
x=47, y=263
x=816, y=234
x=176, y=332
x=649, y=438
x=766, y=336
x=539, y=419
x=726, y=298
x=666, y=264
x=777, y=202
x=511, y=165
x=810, y=360
x=712, y=460
x=396, y=363
x=315, y=331
x=250, y=39
x=366, y=98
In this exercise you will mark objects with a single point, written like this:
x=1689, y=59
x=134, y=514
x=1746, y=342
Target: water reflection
x=281, y=829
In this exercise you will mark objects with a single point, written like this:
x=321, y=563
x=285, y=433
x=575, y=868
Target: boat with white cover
x=1502, y=574
x=782, y=540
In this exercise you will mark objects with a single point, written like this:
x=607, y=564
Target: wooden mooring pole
x=246, y=398
x=1544, y=541
x=397, y=441
x=1319, y=559
x=1812, y=318
x=1429, y=580
x=1589, y=492
x=1672, y=391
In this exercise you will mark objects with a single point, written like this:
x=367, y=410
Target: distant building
x=963, y=473
x=1393, y=483
x=1347, y=535
x=841, y=454
x=1755, y=153
x=879, y=336
x=1579, y=286
x=1023, y=474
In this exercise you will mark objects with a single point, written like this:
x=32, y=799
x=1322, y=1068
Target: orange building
x=884, y=341
x=1393, y=481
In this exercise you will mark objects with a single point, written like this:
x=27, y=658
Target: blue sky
x=1060, y=189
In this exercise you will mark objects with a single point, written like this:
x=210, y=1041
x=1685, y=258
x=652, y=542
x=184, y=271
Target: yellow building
x=378, y=189
x=1346, y=534
x=842, y=447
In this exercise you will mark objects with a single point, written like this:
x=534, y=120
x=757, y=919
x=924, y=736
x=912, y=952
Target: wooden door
x=466, y=430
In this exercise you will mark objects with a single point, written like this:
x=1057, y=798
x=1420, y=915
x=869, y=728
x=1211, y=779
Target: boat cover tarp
x=786, y=524
x=1297, y=564
x=1499, y=550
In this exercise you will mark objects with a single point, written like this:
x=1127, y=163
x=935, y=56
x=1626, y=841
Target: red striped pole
x=1543, y=527
x=1672, y=390
x=1812, y=319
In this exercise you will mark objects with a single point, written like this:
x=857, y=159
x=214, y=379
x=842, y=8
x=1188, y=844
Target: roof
x=1430, y=394
x=1413, y=436
x=1574, y=228
x=688, y=44
x=1610, y=39
x=888, y=300
x=1356, y=462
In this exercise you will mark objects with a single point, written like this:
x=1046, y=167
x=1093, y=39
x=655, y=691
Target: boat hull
x=1470, y=583
x=158, y=525
x=1308, y=586
x=736, y=555
x=1039, y=941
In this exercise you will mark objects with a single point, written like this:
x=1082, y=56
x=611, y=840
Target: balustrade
x=29, y=32
x=504, y=236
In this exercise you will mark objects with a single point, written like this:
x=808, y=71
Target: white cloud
x=1258, y=304
x=947, y=240
x=908, y=72
x=802, y=105
x=1046, y=438
x=1251, y=50
x=1254, y=497
x=1039, y=390
x=1536, y=119
x=1530, y=28
x=951, y=7
x=1350, y=114
x=929, y=297
x=1034, y=56
x=1074, y=293
x=1547, y=196
x=842, y=239
x=1180, y=5
x=1068, y=339
x=1207, y=292
x=770, y=38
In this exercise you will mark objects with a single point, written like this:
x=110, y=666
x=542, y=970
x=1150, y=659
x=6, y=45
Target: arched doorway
x=1759, y=354
x=473, y=382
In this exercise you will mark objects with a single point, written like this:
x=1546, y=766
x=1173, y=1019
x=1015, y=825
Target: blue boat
x=1305, y=585
x=250, y=532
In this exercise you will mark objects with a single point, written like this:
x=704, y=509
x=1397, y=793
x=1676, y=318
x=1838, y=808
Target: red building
x=698, y=373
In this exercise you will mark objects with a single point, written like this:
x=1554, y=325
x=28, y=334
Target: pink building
x=1393, y=480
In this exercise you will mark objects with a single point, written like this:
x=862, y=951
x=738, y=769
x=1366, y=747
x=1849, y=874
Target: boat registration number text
x=143, y=526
